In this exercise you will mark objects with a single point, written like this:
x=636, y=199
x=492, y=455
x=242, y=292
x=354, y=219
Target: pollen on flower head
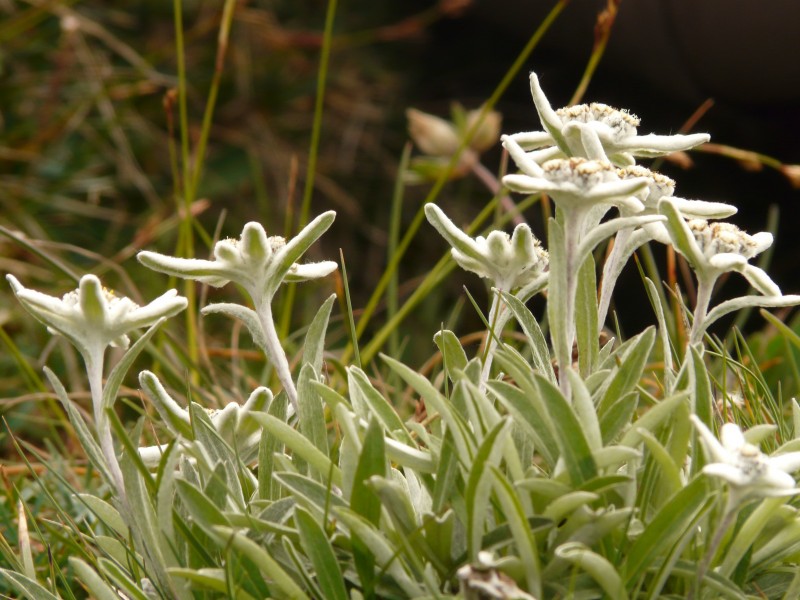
x=276, y=242
x=718, y=238
x=621, y=122
x=658, y=185
x=579, y=171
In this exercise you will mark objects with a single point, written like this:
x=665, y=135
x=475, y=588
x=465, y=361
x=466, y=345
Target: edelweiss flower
x=256, y=262
x=748, y=471
x=574, y=183
x=232, y=422
x=593, y=131
x=93, y=317
x=716, y=248
x=510, y=262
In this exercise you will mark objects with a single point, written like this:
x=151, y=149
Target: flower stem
x=498, y=317
x=94, y=372
x=704, y=289
x=611, y=271
x=274, y=351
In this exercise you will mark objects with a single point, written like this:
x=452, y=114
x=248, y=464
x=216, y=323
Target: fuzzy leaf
x=314, y=344
x=453, y=354
x=536, y=340
x=246, y=315
x=98, y=588
x=320, y=552
x=299, y=445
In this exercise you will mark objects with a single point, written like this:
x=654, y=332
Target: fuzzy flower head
x=716, y=248
x=574, y=183
x=509, y=261
x=233, y=422
x=593, y=131
x=748, y=471
x=257, y=262
x=93, y=317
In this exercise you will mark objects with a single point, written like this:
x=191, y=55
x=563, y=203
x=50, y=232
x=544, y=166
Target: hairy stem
x=274, y=350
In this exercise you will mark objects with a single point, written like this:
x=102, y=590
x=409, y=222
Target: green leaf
x=586, y=327
x=632, y=360
x=241, y=313
x=618, y=416
x=85, y=437
x=28, y=587
x=479, y=484
x=530, y=413
x=536, y=340
x=363, y=392
x=111, y=570
x=310, y=412
x=384, y=553
x=568, y=431
x=453, y=355
x=314, y=496
x=600, y=569
x=667, y=526
x=669, y=474
x=520, y=530
x=106, y=513
x=314, y=344
x=205, y=513
x=557, y=294
x=365, y=502
x=703, y=396
x=119, y=371
x=585, y=410
x=435, y=402
x=267, y=565
x=320, y=552
x=268, y=445
x=98, y=588
x=653, y=419
x=663, y=331
x=300, y=446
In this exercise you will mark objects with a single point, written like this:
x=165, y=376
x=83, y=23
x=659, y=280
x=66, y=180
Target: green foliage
x=571, y=466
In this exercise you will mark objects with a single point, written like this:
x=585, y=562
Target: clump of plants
x=559, y=462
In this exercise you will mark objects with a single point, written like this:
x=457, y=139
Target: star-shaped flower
x=93, y=317
x=510, y=262
x=593, y=131
x=574, y=183
x=255, y=261
x=748, y=471
x=717, y=248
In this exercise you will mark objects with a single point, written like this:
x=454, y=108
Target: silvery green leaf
x=26, y=586
x=310, y=413
x=729, y=306
x=453, y=354
x=609, y=228
x=536, y=340
x=279, y=580
x=175, y=417
x=98, y=588
x=479, y=484
x=374, y=404
x=314, y=344
x=585, y=410
x=563, y=506
x=597, y=566
x=320, y=552
x=246, y=315
x=106, y=513
x=681, y=235
x=300, y=446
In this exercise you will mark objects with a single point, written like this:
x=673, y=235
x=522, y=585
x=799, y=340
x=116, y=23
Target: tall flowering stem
x=93, y=318
x=512, y=263
x=260, y=264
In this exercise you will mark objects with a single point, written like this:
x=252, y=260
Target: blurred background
x=90, y=128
